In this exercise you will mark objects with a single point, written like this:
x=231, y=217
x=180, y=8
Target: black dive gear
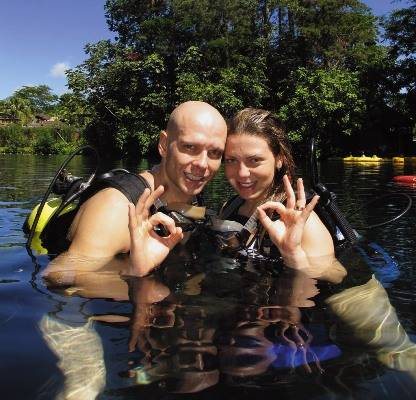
x=327, y=208
x=332, y=217
x=187, y=224
x=233, y=241
x=69, y=197
x=66, y=183
x=51, y=223
x=236, y=232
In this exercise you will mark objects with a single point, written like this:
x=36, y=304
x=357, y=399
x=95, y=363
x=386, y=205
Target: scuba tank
x=69, y=188
x=49, y=209
x=65, y=184
x=49, y=221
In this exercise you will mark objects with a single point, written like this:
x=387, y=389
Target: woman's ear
x=279, y=163
x=163, y=143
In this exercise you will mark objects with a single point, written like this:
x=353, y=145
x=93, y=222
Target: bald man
x=107, y=224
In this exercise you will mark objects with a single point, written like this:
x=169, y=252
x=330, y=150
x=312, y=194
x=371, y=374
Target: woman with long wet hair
x=259, y=166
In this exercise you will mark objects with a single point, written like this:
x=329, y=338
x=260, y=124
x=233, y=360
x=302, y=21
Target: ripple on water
x=11, y=222
x=210, y=321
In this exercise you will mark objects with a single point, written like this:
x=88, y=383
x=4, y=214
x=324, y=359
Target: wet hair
x=262, y=123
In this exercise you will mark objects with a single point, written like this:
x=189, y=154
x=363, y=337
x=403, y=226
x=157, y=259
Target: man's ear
x=163, y=143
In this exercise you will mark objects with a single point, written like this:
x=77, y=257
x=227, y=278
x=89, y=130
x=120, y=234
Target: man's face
x=193, y=154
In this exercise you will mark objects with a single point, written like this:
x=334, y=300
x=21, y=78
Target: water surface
x=209, y=325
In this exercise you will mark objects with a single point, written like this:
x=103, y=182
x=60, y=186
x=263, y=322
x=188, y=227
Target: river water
x=209, y=324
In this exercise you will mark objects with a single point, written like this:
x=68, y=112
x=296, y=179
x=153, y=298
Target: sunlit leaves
x=323, y=102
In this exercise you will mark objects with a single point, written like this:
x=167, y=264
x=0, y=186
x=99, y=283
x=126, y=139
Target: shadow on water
x=206, y=325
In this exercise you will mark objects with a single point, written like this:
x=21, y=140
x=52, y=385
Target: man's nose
x=202, y=160
x=243, y=171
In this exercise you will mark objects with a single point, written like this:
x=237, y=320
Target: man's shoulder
x=108, y=197
x=115, y=186
x=100, y=227
x=104, y=206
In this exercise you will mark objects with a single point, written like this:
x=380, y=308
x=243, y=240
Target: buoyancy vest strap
x=230, y=206
x=233, y=205
x=144, y=181
x=131, y=185
x=250, y=227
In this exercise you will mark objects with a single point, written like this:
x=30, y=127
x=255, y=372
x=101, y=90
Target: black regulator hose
x=313, y=164
x=389, y=221
x=51, y=185
x=327, y=198
x=328, y=201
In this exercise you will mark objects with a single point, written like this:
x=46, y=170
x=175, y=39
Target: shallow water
x=207, y=324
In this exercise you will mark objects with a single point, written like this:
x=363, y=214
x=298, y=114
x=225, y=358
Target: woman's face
x=250, y=165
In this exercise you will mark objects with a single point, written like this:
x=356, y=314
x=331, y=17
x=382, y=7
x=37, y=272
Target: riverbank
x=54, y=149
x=57, y=138
x=20, y=150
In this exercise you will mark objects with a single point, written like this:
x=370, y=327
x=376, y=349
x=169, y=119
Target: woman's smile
x=250, y=166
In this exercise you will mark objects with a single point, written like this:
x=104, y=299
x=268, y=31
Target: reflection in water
x=81, y=358
x=226, y=326
x=378, y=330
x=253, y=325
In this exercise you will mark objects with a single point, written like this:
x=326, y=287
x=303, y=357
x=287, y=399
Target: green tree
x=40, y=98
x=323, y=104
x=400, y=30
x=231, y=53
x=74, y=110
x=125, y=95
x=19, y=108
x=337, y=33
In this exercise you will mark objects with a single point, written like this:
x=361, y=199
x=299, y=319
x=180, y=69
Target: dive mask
x=231, y=235
x=186, y=216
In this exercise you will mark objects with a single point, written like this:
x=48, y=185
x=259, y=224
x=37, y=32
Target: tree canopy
x=233, y=54
x=400, y=30
x=27, y=101
x=40, y=98
x=318, y=64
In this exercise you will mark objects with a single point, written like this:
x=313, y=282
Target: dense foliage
x=28, y=101
x=317, y=64
x=278, y=55
x=27, y=134
x=400, y=30
x=53, y=139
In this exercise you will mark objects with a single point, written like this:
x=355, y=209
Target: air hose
x=389, y=221
x=327, y=199
x=328, y=202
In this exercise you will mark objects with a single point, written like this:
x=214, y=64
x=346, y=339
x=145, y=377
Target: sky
x=40, y=39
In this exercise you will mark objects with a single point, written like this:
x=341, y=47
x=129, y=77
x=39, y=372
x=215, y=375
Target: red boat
x=405, y=179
